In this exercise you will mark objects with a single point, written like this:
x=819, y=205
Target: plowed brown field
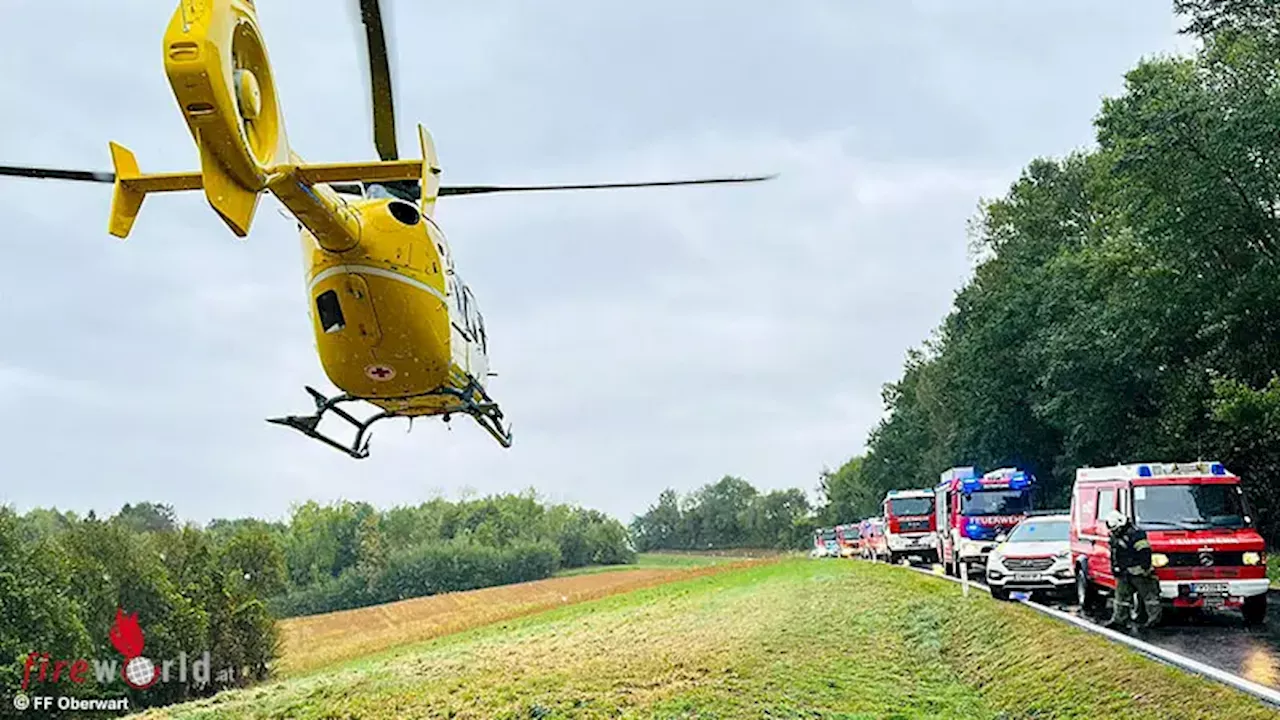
x=316, y=641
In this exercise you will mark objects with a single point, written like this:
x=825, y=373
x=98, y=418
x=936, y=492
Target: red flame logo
x=126, y=635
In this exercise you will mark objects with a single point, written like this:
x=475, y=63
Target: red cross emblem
x=381, y=373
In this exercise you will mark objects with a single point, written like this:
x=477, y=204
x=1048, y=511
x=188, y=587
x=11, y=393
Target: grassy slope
x=793, y=639
x=318, y=641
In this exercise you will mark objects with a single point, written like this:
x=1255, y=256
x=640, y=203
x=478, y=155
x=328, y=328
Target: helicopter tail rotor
x=216, y=61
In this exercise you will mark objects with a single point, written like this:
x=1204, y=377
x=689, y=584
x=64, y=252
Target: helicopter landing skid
x=486, y=413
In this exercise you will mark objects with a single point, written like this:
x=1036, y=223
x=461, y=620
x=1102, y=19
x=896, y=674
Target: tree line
x=220, y=588
x=730, y=513
x=1126, y=299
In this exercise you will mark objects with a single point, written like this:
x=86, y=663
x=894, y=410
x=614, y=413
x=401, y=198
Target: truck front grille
x=1206, y=559
x=1028, y=564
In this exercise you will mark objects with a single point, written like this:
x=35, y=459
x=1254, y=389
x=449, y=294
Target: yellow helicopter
x=394, y=323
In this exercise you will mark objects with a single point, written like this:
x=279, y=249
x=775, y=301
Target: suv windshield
x=1188, y=507
x=995, y=502
x=911, y=506
x=1040, y=531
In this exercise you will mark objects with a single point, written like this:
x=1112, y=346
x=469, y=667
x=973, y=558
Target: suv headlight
x=1159, y=559
x=1252, y=558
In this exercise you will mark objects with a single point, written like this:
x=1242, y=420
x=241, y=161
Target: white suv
x=1036, y=555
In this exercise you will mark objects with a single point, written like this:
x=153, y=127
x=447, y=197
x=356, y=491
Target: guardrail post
x=964, y=578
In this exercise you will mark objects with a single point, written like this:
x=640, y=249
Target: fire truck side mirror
x=1001, y=537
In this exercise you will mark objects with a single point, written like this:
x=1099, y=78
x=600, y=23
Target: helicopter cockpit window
x=374, y=190
x=330, y=311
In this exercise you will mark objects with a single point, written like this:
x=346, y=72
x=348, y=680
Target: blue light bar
x=1217, y=469
x=1144, y=471
x=971, y=484
x=1021, y=480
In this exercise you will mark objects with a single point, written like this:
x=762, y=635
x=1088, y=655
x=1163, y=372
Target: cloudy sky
x=643, y=338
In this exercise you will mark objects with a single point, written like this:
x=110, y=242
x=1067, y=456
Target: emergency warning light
x=1152, y=469
x=967, y=475
x=1014, y=478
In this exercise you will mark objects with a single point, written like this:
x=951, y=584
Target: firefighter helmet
x=1114, y=519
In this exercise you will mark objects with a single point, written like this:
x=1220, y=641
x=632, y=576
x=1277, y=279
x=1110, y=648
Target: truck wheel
x=1086, y=592
x=893, y=558
x=1255, y=609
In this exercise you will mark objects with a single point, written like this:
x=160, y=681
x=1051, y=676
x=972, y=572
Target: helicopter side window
x=469, y=312
x=484, y=343
x=330, y=311
x=460, y=301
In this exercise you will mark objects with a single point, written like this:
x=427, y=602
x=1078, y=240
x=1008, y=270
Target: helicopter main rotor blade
x=482, y=189
x=56, y=174
x=380, y=84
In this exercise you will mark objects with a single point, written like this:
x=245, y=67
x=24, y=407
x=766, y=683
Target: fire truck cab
x=972, y=510
x=824, y=543
x=873, y=546
x=910, y=525
x=848, y=540
x=1204, y=547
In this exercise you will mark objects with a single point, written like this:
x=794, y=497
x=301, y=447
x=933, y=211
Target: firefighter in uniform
x=1131, y=566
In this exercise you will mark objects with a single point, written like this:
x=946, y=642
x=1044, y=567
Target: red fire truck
x=972, y=510
x=848, y=540
x=910, y=525
x=824, y=543
x=873, y=546
x=1205, y=550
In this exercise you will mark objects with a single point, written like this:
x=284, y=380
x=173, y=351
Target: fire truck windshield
x=1041, y=531
x=1189, y=507
x=828, y=534
x=902, y=507
x=995, y=502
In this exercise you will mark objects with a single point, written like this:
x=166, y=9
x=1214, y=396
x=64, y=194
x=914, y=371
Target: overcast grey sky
x=643, y=338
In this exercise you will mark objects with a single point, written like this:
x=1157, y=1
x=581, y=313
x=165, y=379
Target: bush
x=428, y=569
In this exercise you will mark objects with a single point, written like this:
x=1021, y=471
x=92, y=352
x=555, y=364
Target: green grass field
x=647, y=561
x=794, y=639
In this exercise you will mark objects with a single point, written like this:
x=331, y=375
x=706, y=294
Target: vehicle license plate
x=1026, y=576
x=1215, y=601
x=1209, y=588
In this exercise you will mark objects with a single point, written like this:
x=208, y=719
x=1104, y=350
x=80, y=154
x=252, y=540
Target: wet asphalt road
x=1216, y=638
